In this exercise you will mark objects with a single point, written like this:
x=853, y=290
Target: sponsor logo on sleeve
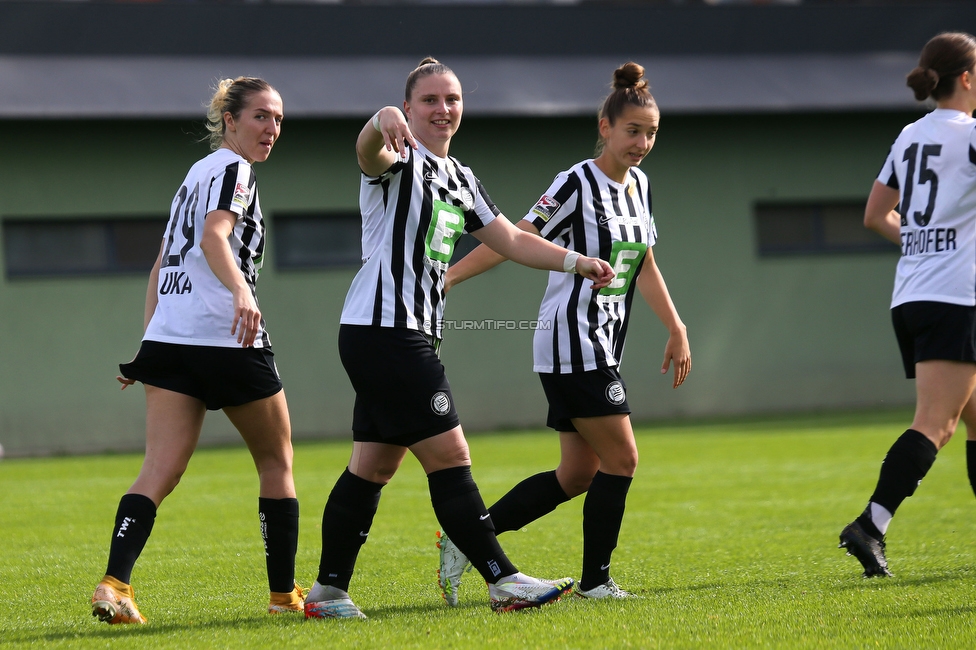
x=546, y=207
x=242, y=196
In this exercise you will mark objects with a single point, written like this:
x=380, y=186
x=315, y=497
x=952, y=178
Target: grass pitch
x=729, y=540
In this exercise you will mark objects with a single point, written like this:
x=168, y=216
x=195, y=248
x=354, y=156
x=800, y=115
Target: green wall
x=766, y=334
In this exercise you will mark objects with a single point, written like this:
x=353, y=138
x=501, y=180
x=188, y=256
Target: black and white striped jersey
x=194, y=307
x=585, y=211
x=932, y=164
x=412, y=216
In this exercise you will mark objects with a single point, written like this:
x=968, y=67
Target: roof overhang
x=177, y=87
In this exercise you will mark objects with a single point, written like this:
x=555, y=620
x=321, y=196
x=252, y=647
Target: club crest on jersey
x=546, y=207
x=616, y=394
x=242, y=196
x=467, y=199
x=440, y=403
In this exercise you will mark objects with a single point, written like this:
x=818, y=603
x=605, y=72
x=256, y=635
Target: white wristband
x=569, y=262
x=376, y=120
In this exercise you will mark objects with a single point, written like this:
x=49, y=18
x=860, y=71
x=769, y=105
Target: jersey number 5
x=925, y=175
x=185, y=203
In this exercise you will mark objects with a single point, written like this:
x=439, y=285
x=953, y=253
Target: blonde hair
x=230, y=96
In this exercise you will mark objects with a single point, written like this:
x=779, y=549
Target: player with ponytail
x=924, y=200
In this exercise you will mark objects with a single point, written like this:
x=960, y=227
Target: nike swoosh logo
x=483, y=517
x=362, y=534
x=604, y=567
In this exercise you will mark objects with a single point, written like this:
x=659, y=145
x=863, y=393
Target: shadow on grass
x=959, y=574
x=101, y=631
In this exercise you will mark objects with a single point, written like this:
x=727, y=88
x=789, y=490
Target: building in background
x=775, y=120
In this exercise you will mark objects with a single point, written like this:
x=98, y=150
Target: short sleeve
x=552, y=213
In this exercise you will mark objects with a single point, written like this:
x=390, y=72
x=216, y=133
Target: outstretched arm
x=529, y=250
x=655, y=292
x=479, y=260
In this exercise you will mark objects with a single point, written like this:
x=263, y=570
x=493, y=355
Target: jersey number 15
x=925, y=175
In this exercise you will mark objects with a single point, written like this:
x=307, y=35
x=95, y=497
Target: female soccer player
x=930, y=177
x=416, y=200
x=205, y=347
x=599, y=207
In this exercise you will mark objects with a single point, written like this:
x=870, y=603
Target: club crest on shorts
x=440, y=403
x=616, y=394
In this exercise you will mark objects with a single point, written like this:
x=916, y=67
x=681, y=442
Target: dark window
x=316, y=240
x=82, y=246
x=816, y=228
x=313, y=240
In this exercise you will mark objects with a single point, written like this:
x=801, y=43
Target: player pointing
x=416, y=200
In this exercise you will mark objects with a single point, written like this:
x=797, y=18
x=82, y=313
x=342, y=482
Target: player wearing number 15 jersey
x=599, y=207
x=925, y=200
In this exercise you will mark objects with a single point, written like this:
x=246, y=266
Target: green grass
x=730, y=541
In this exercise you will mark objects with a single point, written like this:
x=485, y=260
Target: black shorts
x=402, y=393
x=583, y=395
x=220, y=377
x=934, y=330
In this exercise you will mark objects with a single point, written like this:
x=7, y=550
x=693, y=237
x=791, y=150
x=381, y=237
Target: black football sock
x=346, y=521
x=971, y=463
x=603, y=511
x=279, y=529
x=534, y=497
x=133, y=523
x=907, y=463
x=467, y=522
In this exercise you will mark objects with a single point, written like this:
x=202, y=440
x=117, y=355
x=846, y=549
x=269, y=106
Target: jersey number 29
x=185, y=206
